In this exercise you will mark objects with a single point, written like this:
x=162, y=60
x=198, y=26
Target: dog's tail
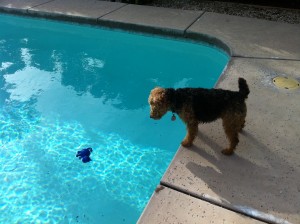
x=243, y=88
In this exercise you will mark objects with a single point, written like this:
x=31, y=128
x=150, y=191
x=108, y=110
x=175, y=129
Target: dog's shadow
x=263, y=184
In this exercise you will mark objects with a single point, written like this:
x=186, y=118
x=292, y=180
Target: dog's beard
x=155, y=116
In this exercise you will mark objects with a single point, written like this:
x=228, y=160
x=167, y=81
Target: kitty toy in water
x=84, y=154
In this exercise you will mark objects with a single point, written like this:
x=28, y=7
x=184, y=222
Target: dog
x=200, y=105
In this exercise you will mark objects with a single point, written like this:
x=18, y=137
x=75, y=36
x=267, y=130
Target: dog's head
x=159, y=104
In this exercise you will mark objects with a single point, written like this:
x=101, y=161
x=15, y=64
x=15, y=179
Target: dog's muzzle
x=155, y=117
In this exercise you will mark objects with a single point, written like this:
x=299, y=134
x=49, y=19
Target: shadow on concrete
x=268, y=186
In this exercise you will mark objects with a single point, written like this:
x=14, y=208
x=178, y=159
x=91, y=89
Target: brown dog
x=199, y=105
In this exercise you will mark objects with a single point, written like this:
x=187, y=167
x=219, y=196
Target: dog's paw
x=227, y=152
x=187, y=144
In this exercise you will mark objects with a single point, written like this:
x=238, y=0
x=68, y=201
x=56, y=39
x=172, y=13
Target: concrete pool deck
x=261, y=182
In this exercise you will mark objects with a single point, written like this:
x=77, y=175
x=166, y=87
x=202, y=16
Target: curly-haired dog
x=199, y=105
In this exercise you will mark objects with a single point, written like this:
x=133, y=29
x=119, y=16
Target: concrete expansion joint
x=265, y=58
x=27, y=10
x=215, y=203
x=122, y=6
x=192, y=23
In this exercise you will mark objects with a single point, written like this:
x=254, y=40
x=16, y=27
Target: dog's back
x=209, y=104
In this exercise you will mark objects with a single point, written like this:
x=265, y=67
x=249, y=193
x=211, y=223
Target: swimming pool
x=65, y=87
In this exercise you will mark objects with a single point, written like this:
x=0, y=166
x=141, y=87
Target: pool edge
x=184, y=33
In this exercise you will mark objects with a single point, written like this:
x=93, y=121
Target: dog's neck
x=170, y=92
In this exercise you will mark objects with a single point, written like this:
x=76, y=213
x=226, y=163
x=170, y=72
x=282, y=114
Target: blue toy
x=84, y=154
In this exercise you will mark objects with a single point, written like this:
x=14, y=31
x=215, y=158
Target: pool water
x=65, y=87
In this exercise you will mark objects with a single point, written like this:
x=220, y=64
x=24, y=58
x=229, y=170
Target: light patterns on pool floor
x=49, y=184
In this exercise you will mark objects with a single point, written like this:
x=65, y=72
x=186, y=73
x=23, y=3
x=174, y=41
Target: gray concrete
x=169, y=206
x=251, y=37
x=262, y=179
x=152, y=17
x=76, y=9
x=20, y=5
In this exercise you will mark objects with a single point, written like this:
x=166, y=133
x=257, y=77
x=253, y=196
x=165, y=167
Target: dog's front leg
x=192, y=130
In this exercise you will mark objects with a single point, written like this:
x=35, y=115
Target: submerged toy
x=84, y=154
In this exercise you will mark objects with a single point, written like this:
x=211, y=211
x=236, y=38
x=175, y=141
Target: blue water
x=64, y=87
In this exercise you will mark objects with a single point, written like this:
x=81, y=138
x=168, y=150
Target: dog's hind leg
x=242, y=125
x=232, y=126
x=242, y=117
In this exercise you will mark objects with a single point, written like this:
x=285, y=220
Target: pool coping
x=111, y=23
x=263, y=54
